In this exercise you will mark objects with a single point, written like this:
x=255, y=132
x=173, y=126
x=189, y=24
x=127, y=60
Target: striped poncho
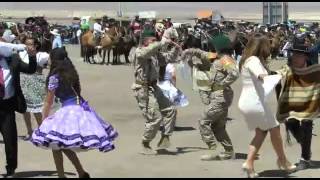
x=300, y=95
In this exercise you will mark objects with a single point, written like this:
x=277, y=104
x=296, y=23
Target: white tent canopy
x=147, y=14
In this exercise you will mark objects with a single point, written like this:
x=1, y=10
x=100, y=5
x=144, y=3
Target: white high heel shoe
x=287, y=166
x=250, y=172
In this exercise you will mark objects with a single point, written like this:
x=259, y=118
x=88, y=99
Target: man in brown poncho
x=299, y=100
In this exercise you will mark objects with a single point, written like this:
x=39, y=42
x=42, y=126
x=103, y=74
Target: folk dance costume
x=74, y=126
x=33, y=86
x=170, y=91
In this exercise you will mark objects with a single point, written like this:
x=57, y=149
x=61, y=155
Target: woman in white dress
x=255, y=107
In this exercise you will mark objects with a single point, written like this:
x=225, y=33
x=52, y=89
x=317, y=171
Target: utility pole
x=120, y=13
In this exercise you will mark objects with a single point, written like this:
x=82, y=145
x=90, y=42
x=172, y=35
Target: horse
x=88, y=45
x=109, y=39
x=123, y=46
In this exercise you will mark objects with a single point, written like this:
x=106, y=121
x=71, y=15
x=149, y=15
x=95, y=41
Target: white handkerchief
x=24, y=56
x=269, y=83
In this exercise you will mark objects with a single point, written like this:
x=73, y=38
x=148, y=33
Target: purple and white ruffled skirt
x=75, y=127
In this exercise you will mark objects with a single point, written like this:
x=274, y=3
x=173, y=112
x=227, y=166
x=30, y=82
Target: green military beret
x=220, y=42
x=148, y=33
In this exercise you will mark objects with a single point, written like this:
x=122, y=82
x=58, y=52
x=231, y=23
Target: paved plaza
x=107, y=88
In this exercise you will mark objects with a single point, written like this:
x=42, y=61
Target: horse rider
x=84, y=26
x=215, y=72
x=136, y=27
x=168, y=23
x=105, y=23
x=97, y=30
x=156, y=108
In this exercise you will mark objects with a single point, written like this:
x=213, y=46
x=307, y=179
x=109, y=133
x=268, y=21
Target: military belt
x=216, y=87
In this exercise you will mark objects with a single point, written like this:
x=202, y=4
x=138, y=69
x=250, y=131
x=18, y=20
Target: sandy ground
x=108, y=90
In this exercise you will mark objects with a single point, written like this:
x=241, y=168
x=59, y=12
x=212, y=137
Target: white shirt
x=8, y=36
x=79, y=33
x=8, y=86
x=6, y=49
x=169, y=70
x=42, y=58
x=97, y=27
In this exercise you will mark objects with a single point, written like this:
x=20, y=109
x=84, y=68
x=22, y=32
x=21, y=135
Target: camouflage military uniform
x=217, y=96
x=156, y=108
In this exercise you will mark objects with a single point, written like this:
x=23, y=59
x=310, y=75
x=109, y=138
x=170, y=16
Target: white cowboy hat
x=55, y=32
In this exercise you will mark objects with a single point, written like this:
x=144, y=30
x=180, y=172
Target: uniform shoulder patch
x=227, y=62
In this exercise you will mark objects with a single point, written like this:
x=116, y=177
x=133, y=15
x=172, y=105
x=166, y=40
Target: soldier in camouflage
x=216, y=93
x=156, y=108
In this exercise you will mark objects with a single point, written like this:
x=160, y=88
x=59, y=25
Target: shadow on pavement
x=229, y=119
x=29, y=174
x=244, y=156
x=275, y=173
x=180, y=150
x=315, y=165
x=177, y=128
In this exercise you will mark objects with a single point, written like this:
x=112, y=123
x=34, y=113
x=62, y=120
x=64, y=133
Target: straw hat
x=55, y=32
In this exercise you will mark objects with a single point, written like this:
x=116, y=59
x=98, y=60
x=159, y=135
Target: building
x=275, y=12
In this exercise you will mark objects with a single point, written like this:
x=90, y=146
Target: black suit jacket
x=16, y=66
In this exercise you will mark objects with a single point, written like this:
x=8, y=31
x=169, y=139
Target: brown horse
x=88, y=46
x=123, y=46
x=108, y=41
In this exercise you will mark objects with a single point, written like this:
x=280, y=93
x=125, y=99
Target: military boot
x=164, y=142
x=146, y=149
x=212, y=146
x=226, y=155
x=213, y=155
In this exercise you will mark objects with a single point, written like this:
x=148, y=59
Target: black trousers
x=302, y=132
x=8, y=129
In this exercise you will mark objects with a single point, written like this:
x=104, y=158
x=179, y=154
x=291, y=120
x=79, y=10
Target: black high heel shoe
x=85, y=175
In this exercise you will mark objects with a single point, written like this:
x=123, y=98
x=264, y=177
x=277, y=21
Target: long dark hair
x=259, y=46
x=62, y=66
x=162, y=72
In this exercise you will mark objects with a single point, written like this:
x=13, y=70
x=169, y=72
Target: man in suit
x=11, y=97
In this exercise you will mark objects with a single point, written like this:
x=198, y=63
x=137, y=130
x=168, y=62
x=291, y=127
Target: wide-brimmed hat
x=55, y=32
x=298, y=45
